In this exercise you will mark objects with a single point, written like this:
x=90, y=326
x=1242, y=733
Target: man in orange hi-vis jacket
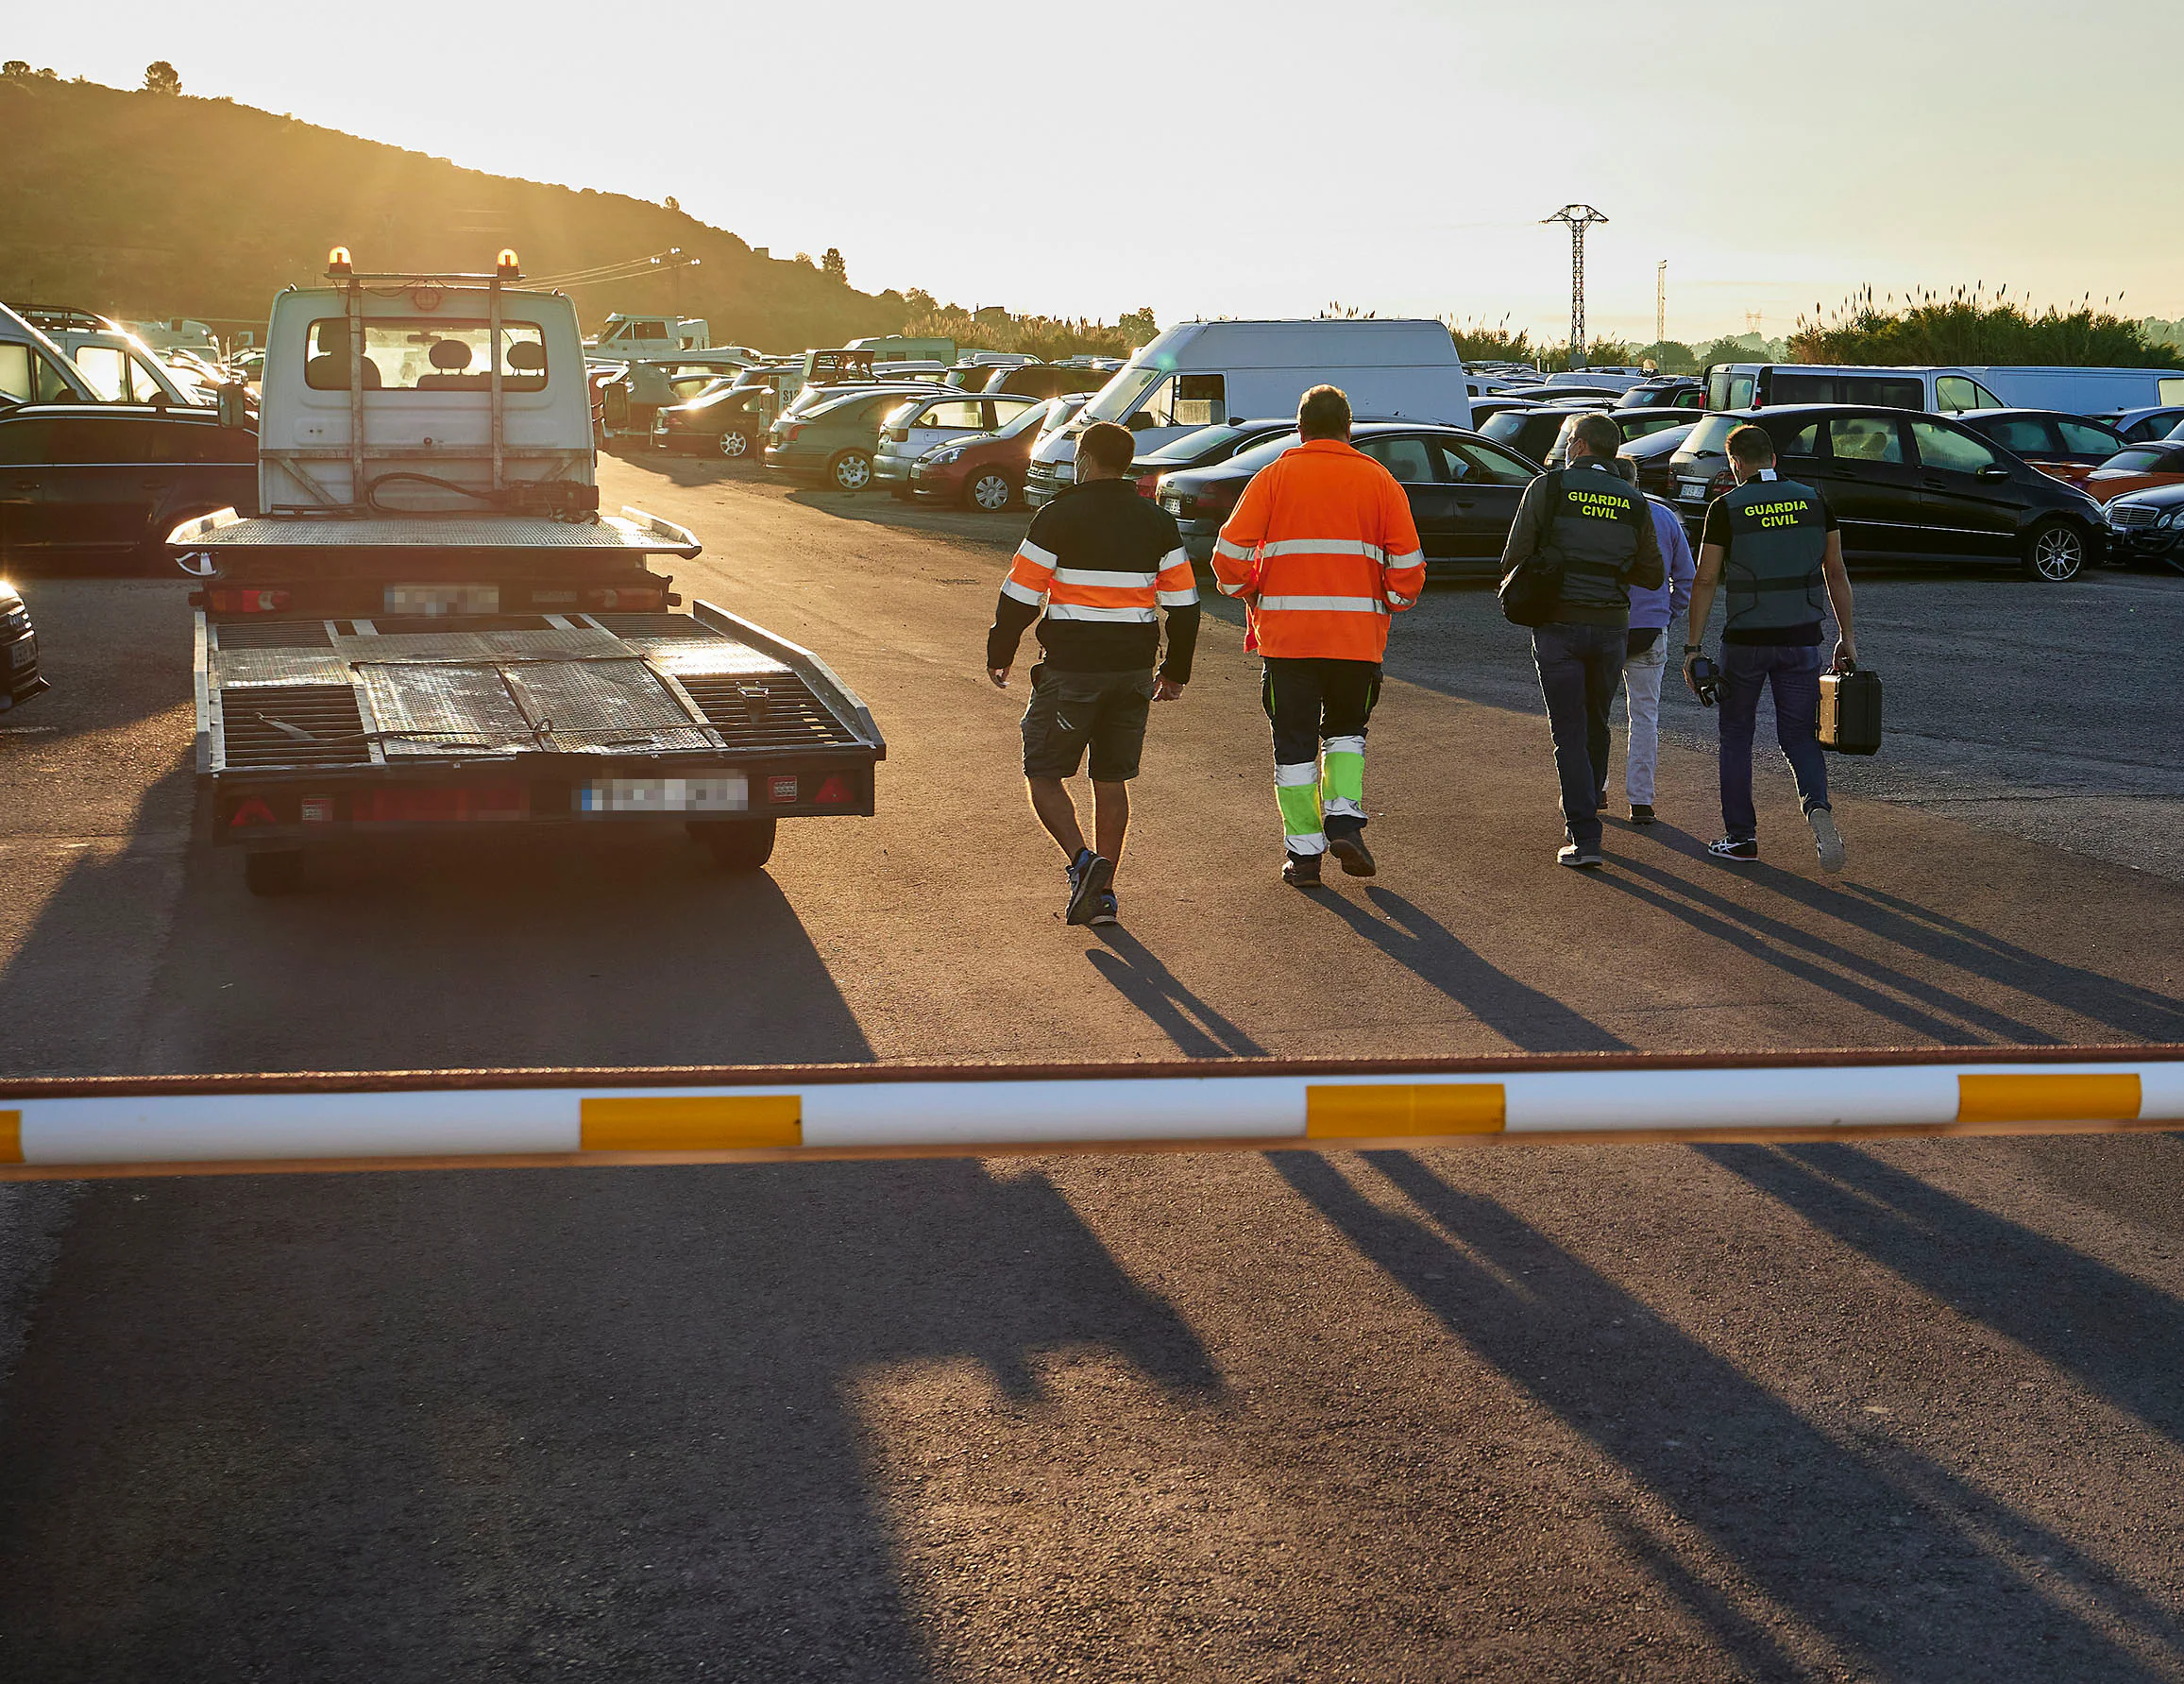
x=1322, y=549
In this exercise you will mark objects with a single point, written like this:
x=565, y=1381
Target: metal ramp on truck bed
x=360, y=696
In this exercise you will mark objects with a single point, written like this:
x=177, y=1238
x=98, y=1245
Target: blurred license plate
x=716, y=792
x=442, y=598
x=23, y=653
x=1691, y=490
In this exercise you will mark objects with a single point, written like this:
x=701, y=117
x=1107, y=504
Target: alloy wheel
x=2058, y=555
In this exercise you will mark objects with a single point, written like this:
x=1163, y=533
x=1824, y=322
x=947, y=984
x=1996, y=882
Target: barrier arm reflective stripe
x=69, y=1128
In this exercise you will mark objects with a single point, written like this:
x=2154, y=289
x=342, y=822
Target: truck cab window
x=426, y=355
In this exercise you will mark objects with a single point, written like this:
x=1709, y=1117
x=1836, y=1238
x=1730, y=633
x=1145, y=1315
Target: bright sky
x=1267, y=157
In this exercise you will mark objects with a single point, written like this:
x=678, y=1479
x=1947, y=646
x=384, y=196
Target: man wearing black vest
x=1592, y=521
x=1776, y=543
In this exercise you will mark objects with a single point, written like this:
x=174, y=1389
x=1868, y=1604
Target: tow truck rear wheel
x=737, y=845
x=275, y=870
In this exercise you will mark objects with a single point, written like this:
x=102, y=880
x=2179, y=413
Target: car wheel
x=273, y=872
x=737, y=845
x=735, y=443
x=2054, y=551
x=990, y=490
x=851, y=470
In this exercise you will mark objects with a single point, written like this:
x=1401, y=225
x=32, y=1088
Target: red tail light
x=246, y=602
x=835, y=791
x=1721, y=484
x=250, y=812
x=1148, y=484
x=789, y=432
x=900, y=434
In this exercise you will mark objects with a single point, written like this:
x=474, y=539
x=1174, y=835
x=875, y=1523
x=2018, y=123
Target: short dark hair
x=1107, y=447
x=1324, y=413
x=1753, y=446
x=1599, y=435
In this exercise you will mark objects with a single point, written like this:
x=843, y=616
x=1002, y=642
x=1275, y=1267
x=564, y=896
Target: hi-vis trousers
x=1313, y=703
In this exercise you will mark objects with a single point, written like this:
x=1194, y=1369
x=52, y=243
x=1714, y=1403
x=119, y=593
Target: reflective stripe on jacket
x=1322, y=546
x=1038, y=576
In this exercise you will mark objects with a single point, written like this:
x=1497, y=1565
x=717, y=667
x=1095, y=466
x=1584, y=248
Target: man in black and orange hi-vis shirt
x=1102, y=563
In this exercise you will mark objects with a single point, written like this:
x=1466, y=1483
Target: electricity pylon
x=1580, y=219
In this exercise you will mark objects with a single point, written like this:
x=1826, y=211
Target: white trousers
x=1642, y=688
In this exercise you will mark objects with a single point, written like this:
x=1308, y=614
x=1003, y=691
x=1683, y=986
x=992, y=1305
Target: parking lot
x=1898, y=1411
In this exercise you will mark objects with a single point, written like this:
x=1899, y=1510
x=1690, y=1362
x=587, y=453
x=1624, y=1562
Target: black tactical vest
x=1777, y=539
x=1592, y=529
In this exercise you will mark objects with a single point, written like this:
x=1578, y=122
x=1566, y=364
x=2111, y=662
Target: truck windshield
x=1119, y=396
x=427, y=355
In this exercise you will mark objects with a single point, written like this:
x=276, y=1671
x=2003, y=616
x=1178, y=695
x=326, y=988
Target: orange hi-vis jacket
x=1322, y=547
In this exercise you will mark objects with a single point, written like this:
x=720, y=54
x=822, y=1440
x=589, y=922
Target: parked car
x=2135, y=469
x=833, y=441
x=33, y=369
x=1043, y=379
x=110, y=481
x=723, y=420
x=2067, y=445
x=921, y=424
x=1653, y=453
x=1203, y=448
x=1532, y=433
x=2138, y=425
x=1907, y=487
x=1632, y=423
x=2148, y=526
x=1485, y=409
x=1464, y=488
x=1675, y=391
x=20, y=679
x=986, y=471
x=1762, y=386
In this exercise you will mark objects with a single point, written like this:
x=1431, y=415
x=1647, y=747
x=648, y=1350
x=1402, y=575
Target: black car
x=2043, y=435
x=1532, y=432
x=19, y=675
x=84, y=482
x=1654, y=451
x=1670, y=392
x=2148, y=526
x=1633, y=424
x=1203, y=448
x=2142, y=426
x=1485, y=409
x=1906, y=487
x=1464, y=488
x=729, y=421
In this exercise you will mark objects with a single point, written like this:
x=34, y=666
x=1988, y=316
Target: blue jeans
x=1745, y=670
x=1580, y=668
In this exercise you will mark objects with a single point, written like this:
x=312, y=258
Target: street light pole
x=1580, y=219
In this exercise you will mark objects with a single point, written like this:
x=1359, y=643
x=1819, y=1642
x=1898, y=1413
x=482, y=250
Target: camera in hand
x=1705, y=680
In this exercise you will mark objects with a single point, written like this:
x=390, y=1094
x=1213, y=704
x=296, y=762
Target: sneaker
x=1105, y=910
x=1827, y=838
x=1088, y=875
x=1301, y=871
x=1352, y=855
x=1735, y=847
x=1641, y=812
x=1580, y=855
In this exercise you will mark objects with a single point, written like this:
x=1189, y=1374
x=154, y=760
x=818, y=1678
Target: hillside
x=142, y=205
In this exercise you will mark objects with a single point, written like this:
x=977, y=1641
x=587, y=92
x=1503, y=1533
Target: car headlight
x=944, y=453
x=2173, y=519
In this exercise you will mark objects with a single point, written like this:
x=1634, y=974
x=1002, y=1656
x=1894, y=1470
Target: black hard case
x=1850, y=711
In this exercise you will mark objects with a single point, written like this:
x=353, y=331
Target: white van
x=1943, y=391
x=121, y=369
x=33, y=369
x=1197, y=374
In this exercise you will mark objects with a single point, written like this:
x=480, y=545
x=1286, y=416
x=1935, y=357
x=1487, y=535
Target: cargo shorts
x=1072, y=711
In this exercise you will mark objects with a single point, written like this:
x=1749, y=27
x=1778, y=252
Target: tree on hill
x=835, y=268
x=161, y=78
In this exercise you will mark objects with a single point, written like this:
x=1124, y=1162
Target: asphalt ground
x=1905, y=1411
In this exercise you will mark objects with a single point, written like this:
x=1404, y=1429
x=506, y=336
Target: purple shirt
x=1662, y=603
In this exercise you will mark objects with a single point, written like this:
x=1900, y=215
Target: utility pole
x=1661, y=302
x=1580, y=219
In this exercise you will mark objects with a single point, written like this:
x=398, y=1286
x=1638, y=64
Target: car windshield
x=1709, y=437
x=1029, y=421
x=1658, y=444
x=1119, y=396
x=1259, y=455
x=1193, y=446
x=2133, y=462
x=1509, y=426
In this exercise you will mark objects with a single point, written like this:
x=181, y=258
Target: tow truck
x=432, y=628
